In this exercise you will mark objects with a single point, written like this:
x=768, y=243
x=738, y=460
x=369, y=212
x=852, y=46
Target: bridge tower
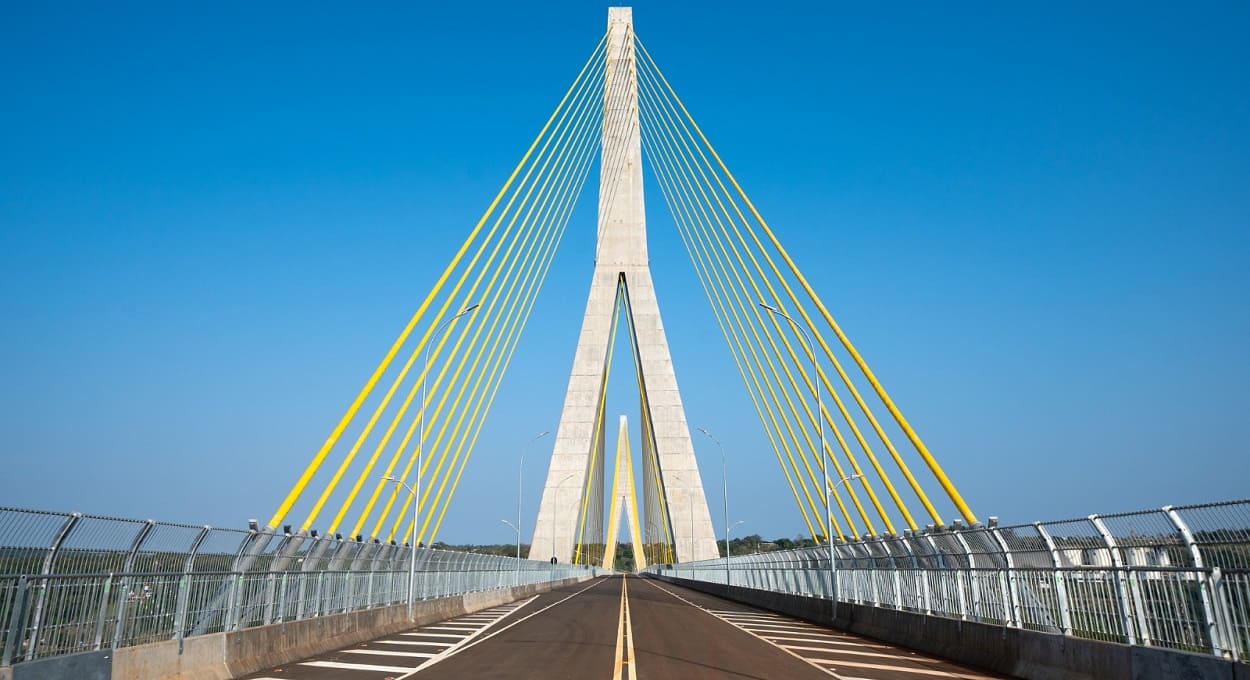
x=570, y=521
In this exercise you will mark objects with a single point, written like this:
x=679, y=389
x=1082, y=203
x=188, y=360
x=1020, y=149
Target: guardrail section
x=72, y=583
x=1176, y=577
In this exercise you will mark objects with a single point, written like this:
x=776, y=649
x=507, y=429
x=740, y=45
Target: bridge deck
x=623, y=629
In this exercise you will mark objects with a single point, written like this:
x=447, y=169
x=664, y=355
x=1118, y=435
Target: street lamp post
x=425, y=374
x=727, y=530
x=412, y=545
x=520, y=471
x=724, y=478
x=517, y=529
x=833, y=577
x=820, y=428
x=415, y=490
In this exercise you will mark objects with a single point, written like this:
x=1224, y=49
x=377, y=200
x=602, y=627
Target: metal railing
x=72, y=583
x=1176, y=577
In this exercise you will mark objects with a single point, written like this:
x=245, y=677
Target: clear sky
x=1033, y=220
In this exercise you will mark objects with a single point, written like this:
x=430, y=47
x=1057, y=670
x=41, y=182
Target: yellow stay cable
x=385, y=401
x=934, y=467
x=559, y=174
x=495, y=312
x=662, y=168
x=553, y=201
x=518, y=328
x=737, y=351
x=923, y=450
x=645, y=403
x=297, y=490
x=562, y=221
x=686, y=155
x=750, y=311
x=441, y=460
x=807, y=381
x=595, y=440
x=558, y=135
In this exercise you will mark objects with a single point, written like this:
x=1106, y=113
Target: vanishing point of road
x=623, y=628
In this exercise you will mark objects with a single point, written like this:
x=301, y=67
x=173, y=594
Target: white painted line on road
x=436, y=635
x=827, y=641
x=388, y=652
x=854, y=652
x=905, y=669
x=765, y=640
x=358, y=666
x=460, y=648
x=780, y=628
x=423, y=643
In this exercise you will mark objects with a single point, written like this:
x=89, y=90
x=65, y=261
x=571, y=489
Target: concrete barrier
x=222, y=656
x=1028, y=654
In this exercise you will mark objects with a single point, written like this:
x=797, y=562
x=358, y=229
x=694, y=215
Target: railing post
x=230, y=618
x=876, y=569
x=1221, y=640
x=184, y=587
x=123, y=602
x=1016, y=615
x=1123, y=586
x=1061, y=585
x=12, y=644
x=49, y=561
x=972, y=583
x=1232, y=646
x=102, y=613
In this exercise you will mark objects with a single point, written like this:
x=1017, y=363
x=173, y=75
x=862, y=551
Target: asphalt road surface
x=623, y=628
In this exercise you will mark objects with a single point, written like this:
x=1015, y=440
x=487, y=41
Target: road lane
x=571, y=639
x=623, y=628
x=836, y=653
x=674, y=639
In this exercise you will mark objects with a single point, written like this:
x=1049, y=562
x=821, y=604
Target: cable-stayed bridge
x=338, y=582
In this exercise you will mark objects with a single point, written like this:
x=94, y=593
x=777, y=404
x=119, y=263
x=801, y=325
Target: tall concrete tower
x=570, y=517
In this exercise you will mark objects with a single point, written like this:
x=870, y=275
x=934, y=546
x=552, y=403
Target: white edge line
x=757, y=637
x=447, y=654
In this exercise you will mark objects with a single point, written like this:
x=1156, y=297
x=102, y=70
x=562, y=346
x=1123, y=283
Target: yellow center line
x=624, y=639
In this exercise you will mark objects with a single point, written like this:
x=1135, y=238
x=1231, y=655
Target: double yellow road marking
x=624, y=639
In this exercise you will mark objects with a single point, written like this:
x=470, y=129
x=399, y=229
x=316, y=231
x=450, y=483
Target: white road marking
x=437, y=635
x=826, y=641
x=411, y=642
x=358, y=666
x=388, y=652
x=711, y=613
x=904, y=669
x=467, y=644
x=842, y=651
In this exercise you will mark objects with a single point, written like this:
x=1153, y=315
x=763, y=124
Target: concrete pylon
x=573, y=496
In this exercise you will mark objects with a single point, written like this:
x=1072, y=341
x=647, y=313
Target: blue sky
x=1033, y=221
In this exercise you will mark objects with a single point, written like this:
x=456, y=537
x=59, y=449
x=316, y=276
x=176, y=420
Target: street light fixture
x=820, y=428
x=520, y=470
x=727, y=530
x=833, y=577
x=517, y=529
x=724, y=478
x=412, y=544
x=425, y=374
